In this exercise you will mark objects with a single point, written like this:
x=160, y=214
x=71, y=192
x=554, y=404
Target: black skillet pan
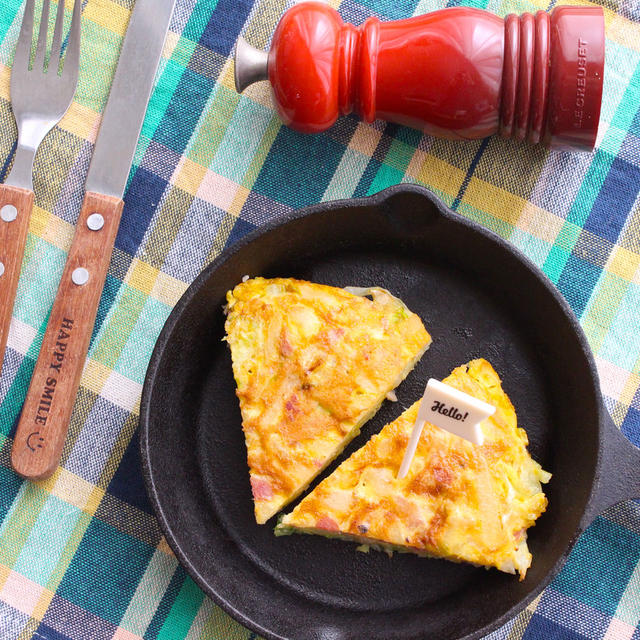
x=478, y=296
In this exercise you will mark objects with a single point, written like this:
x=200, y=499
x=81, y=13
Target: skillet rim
x=375, y=200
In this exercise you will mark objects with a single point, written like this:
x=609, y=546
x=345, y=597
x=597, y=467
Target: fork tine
x=23, y=48
x=38, y=62
x=72, y=59
x=56, y=45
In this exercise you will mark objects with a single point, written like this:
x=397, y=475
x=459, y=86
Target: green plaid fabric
x=81, y=555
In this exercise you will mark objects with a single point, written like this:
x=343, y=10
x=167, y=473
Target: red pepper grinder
x=458, y=73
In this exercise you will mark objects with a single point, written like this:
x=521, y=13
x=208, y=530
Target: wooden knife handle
x=45, y=416
x=15, y=210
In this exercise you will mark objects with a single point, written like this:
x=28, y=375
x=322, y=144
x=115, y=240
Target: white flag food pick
x=451, y=410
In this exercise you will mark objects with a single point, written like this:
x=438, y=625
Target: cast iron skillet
x=478, y=296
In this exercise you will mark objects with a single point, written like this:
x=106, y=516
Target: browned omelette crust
x=459, y=501
x=312, y=363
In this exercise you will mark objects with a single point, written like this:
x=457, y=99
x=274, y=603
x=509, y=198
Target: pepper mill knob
x=250, y=65
x=459, y=73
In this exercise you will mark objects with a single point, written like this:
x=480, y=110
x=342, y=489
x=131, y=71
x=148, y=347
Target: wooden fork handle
x=43, y=425
x=15, y=210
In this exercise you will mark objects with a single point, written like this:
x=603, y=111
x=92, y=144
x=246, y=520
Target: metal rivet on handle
x=1, y=269
x=80, y=276
x=95, y=222
x=8, y=213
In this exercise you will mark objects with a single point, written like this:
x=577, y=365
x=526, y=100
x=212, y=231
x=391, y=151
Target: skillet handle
x=618, y=470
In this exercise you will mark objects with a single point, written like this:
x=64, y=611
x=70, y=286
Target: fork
x=40, y=96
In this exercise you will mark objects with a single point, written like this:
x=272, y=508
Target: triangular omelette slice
x=459, y=501
x=312, y=364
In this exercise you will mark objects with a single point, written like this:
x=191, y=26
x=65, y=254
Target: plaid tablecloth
x=81, y=555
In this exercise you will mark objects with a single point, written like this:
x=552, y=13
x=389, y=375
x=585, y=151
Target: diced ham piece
x=292, y=406
x=333, y=335
x=261, y=489
x=327, y=523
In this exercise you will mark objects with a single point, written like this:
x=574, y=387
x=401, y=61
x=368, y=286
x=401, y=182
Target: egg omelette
x=459, y=501
x=312, y=364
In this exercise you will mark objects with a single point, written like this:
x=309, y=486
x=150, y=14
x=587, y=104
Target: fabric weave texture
x=81, y=554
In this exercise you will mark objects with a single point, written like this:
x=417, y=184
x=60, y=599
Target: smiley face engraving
x=35, y=440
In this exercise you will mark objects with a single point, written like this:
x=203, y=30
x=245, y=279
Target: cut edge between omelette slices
x=458, y=502
x=288, y=343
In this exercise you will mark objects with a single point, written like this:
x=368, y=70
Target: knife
x=47, y=409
